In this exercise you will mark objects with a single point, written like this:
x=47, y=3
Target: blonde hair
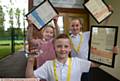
x=42, y=30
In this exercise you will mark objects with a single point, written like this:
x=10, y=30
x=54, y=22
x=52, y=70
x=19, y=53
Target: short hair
x=64, y=36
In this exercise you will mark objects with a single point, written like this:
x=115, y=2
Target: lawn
x=5, y=47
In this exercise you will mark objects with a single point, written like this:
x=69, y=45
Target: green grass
x=6, y=50
x=5, y=41
x=9, y=41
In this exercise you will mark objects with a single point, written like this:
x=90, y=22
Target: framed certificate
x=42, y=14
x=98, y=9
x=63, y=3
x=102, y=41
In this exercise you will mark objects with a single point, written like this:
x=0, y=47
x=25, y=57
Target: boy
x=63, y=68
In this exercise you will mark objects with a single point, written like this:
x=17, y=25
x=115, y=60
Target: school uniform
x=83, y=52
x=84, y=45
x=45, y=51
x=78, y=66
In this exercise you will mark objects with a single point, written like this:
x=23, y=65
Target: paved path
x=13, y=66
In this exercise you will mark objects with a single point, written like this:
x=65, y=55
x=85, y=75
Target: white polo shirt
x=84, y=47
x=79, y=66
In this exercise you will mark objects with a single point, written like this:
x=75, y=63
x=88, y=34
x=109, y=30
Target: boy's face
x=48, y=33
x=62, y=48
x=75, y=26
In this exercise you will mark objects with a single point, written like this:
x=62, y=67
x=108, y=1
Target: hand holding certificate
x=102, y=41
x=99, y=10
x=42, y=14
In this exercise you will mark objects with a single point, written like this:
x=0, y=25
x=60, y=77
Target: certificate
x=102, y=41
x=63, y=3
x=42, y=14
x=98, y=9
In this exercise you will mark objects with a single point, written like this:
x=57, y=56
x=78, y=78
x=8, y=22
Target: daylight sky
x=21, y=4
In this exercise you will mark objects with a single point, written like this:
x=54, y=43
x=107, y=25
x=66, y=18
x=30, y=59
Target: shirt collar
x=60, y=64
x=80, y=33
x=74, y=35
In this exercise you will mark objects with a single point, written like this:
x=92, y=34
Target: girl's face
x=62, y=48
x=48, y=33
x=75, y=26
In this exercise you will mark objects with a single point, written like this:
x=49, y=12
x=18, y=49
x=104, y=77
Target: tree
x=12, y=30
x=17, y=15
x=1, y=22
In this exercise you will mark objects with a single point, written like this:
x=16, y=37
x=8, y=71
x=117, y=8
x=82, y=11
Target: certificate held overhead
x=98, y=9
x=42, y=14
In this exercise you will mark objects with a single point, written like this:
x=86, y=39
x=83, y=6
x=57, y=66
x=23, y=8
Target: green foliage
x=18, y=34
x=11, y=17
x=1, y=20
x=17, y=15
